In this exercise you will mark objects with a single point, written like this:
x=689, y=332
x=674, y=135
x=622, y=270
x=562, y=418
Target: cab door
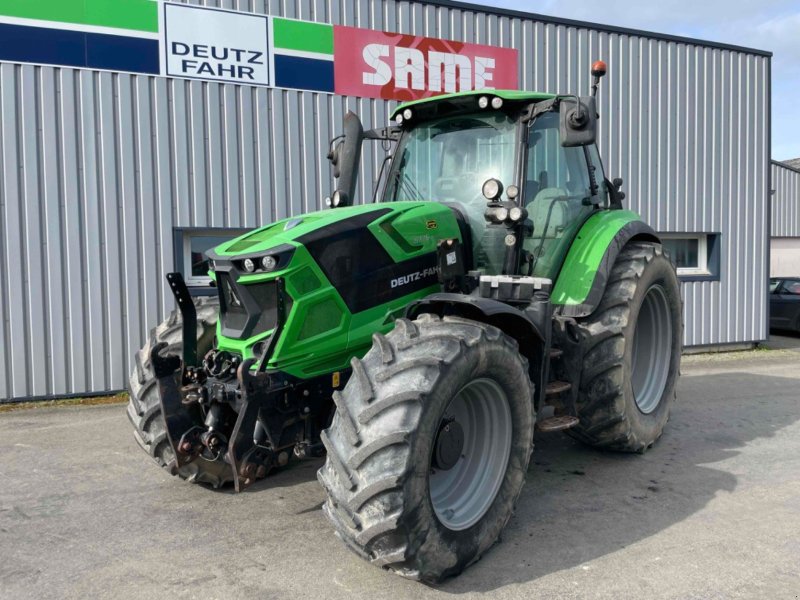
x=557, y=194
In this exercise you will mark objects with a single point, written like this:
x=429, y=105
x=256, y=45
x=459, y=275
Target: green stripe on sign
x=141, y=15
x=302, y=35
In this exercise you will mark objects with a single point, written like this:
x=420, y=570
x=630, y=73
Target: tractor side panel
x=584, y=274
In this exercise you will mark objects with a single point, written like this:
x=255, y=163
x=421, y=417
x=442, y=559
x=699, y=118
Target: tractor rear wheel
x=144, y=405
x=429, y=446
x=632, y=353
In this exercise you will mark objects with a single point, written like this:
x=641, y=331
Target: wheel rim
x=652, y=350
x=462, y=494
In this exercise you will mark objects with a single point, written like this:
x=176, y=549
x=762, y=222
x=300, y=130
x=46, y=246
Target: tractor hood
x=336, y=273
x=403, y=229
x=287, y=231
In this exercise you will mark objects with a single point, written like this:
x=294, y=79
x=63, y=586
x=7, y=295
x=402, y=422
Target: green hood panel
x=398, y=231
x=287, y=230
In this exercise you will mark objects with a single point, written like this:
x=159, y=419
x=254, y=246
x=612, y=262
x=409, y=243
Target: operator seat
x=550, y=212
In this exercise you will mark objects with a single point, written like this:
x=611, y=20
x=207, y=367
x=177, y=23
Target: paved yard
x=713, y=511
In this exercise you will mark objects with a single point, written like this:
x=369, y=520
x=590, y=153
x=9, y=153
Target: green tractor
x=497, y=286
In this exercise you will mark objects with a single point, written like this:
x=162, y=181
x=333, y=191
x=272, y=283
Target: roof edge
x=508, y=95
x=784, y=165
x=508, y=12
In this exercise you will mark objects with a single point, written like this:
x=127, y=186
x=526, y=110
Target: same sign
x=393, y=66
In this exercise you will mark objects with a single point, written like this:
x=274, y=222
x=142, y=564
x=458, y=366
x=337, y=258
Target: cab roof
x=460, y=99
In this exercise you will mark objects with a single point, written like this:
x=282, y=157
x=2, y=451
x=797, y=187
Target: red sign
x=394, y=66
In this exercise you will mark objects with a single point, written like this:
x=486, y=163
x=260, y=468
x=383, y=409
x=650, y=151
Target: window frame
x=708, y=255
x=783, y=288
x=198, y=286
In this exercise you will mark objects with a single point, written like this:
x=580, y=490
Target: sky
x=772, y=25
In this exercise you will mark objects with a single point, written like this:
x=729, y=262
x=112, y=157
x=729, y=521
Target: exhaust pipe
x=345, y=157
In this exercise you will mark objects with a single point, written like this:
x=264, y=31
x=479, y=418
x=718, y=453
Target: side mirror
x=615, y=192
x=578, y=121
x=345, y=157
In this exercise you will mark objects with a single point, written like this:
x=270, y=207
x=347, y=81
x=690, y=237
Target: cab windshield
x=448, y=160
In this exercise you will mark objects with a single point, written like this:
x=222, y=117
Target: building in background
x=785, y=226
x=135, y=135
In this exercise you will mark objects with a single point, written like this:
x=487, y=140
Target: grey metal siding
x=785, y=201
x=97, y=169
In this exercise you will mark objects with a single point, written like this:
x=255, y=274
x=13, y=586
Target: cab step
x=557, y=387
x=556, y=423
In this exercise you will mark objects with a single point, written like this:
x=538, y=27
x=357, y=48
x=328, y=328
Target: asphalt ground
x=712, y=511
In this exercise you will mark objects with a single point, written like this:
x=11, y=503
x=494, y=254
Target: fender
x=511, y=320
x=583, y=277
x=531, y=328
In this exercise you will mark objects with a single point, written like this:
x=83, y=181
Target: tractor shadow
x=580, y=504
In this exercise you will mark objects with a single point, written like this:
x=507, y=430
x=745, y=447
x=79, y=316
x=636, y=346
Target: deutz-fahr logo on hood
x=411, y=277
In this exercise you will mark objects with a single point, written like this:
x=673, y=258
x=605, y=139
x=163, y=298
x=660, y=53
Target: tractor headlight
x=269, y=263
x=336, y=199
x=492, y=188
x=407, y=114
x=483, y=101
x=497, y=103
x=517, y=213
x=278, y=258
x=399, y=119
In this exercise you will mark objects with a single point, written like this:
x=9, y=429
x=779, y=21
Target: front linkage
x=233, y=410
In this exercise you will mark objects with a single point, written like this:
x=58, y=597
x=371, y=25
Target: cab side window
x=557, y=195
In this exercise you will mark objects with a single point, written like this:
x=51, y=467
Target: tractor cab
x=486, y=153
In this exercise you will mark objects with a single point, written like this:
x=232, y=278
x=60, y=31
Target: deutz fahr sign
x=218, y=45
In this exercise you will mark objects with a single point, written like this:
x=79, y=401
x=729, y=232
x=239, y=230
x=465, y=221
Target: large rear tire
x=144, y=406
x=429, y=446
x=632, y=353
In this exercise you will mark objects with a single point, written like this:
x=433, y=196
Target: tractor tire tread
x=364, y=479
x=144, y=405
x=604, y=421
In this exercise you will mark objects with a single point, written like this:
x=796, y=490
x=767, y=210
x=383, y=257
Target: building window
x=696, y=255
x=191, y=246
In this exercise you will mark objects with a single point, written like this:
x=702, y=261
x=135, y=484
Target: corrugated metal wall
x=785, y=201
x=97, y=169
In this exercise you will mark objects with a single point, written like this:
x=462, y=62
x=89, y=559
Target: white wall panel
x=785, y=201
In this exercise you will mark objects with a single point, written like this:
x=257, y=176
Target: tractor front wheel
x=429, y=446
x=144, y=404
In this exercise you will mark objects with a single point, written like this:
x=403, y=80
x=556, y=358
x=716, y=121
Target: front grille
x=247, y=310
x=266, y=296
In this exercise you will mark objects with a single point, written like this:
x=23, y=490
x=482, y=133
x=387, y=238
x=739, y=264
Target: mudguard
x=486, y=310
x=583, y=277
x=530, y=327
